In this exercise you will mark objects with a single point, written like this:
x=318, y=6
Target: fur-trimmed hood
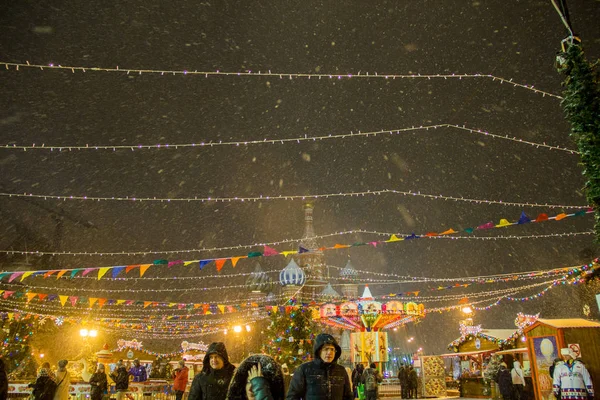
x=323, y=339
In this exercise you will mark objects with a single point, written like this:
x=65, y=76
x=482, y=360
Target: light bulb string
x=204, y=145
x=280, y=75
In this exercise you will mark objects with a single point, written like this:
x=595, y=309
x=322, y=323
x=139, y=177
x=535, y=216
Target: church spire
x=308, y=239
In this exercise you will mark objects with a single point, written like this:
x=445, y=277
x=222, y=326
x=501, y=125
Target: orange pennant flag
x=130, y=267
x=101, y=302
x=47, y=274
x=448, y=232
x=431, y=234
x=61, y=273
x=42, y=296
x=558, y=218
x=30, y=296
x=63, y=299
x=93, y=301
x=147, y=303
x=144, y=268
x=197, y=306
x=219, y=263
x=341, y=246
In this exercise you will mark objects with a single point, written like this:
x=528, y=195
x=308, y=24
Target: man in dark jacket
x=322, y=378
x=121, y=379
x=213, y=381
x=403, y=378
x=371, y=378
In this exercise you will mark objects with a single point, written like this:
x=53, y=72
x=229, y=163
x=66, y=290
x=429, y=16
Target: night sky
x=515, y=40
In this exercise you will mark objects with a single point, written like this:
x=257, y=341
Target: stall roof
x=570, y=323
x=512, y=351
x=466, y=353
x=501, y=334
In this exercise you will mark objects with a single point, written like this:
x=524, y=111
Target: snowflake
x=59, y=321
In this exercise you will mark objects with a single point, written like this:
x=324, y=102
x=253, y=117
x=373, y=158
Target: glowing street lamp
x=467, y=310
x=84, y=332
x=237, y=329
x=93, y=333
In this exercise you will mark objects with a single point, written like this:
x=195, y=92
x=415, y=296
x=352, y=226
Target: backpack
x=371, y=381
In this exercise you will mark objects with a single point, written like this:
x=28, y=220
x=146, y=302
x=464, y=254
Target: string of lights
x=233, y=143
x=269, y=73
x=279, y=242
x=292, y=197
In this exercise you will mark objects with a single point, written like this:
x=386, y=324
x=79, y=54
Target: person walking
x=180, y=379
x=371, y=378
x=3, y=381
x=403, y=379
x=323, y=377
x=138, y=372
x=63, y=381
x=356, y=375
x=518, y=380
x=572, y=380
x=121, y=379
x=413, y=381
x=258, y=377
x=44, y=386
x=98, y=383
x=504, y=381
x=217, y=371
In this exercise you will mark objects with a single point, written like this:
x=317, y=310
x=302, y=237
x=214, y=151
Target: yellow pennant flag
x=119, y=302
x=61, y=273
x=287, y=253
x=274, y=309
x=11, y=315
x=172, y=304
x=186, y=263
x=144, y=268
x=221, y=308
x=93, y=301
x=63, y=299
x=394, y=238
x=147, y=303
x=25, y=275
x=102, y=272
x=503, y=222
x=234, y=260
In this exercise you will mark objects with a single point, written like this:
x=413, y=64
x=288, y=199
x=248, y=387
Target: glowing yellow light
x=93, y=333
x=84, y=332
x=247, y=328
x=467, y=310
x=237, y=329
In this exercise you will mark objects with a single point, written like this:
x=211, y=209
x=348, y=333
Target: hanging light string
x=279, y=242
x=291, y=197
x=280, y=75
x=60, y=148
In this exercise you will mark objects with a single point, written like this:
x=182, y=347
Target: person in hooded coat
x=121, y=379
x=356, y=375
x=322, y=378
x=518, y=379
x=258, y=377
x=504, y=381
x=217, y=371
x=63, y=381
x=44, y=386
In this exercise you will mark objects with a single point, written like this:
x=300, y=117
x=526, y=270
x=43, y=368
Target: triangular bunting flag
x=542, y=217
x=288, y=252
x=160, y=262
x=8, y=293
x=48, y=273
x=269, y=251
x=144, y=268
x=448, y=232
x=42, y=296
x=374, y=244
x=130, y=267
x=302, y=250
x=340, y=246
x=30, y=296
x=117, y=270
x=203, y=263
x=234, y=261
x=185, y=264
x=147, y=303
x=119, y=302
x=175, y=262
x=523, y=219
x=219, y=263
x=63, y=299
x=558, y=218
x=393, y=238
x=431, y=234
x=92, y=301
x=101, y=302
x=73, y=300
x=14, y=276
x=221, y=308
x=61, y=273
x=488, y=225
x=469, y=230
x=253, y=254
x=102, y=272
x=503, y=222
x=26, y=274
x=87, y=271
x=74, y=272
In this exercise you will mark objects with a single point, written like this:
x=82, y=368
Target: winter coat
x=317, y=380
x=365, y=375
x=504, y=381
x=517, y=374
x=413, y=379
x=211, y=384
x=63, y=380
x=356, y=374
x=181, y=379
x=572, y=382
x=44, y=386
x=268, y=387
x=3, y=382
x=99, y=385
x=121, y=378
x=139, y=373
x=403, y=375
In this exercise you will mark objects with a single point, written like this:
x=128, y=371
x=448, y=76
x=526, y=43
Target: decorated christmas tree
x=16, y=350
x=289, y=337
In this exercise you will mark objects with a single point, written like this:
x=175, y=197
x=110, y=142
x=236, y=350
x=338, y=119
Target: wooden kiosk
x=546, y=337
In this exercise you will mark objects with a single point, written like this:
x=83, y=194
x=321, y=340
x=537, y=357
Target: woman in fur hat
x=258, y=377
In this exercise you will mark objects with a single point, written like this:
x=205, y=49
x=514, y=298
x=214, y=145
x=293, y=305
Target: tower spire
x=308, y=238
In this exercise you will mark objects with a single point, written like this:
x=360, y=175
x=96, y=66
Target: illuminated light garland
x=280, y=75
x=284, y=241
x=294, y=197
x=280, y=141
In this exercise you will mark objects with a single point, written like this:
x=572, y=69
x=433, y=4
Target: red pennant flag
x=42, y=296
x=269, y=251
x=130, y=267
x=220, y=262
x=542, y=217
x=73, y=300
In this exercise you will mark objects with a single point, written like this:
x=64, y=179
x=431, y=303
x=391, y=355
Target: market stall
x=546, y=337
x=433, y=376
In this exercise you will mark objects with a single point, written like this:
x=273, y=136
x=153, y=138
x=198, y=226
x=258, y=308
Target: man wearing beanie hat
x=323, y=377
x=571, y=379
x=213, y=381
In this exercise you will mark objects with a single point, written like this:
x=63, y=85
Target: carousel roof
x=367, y=294
x=292, y=274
